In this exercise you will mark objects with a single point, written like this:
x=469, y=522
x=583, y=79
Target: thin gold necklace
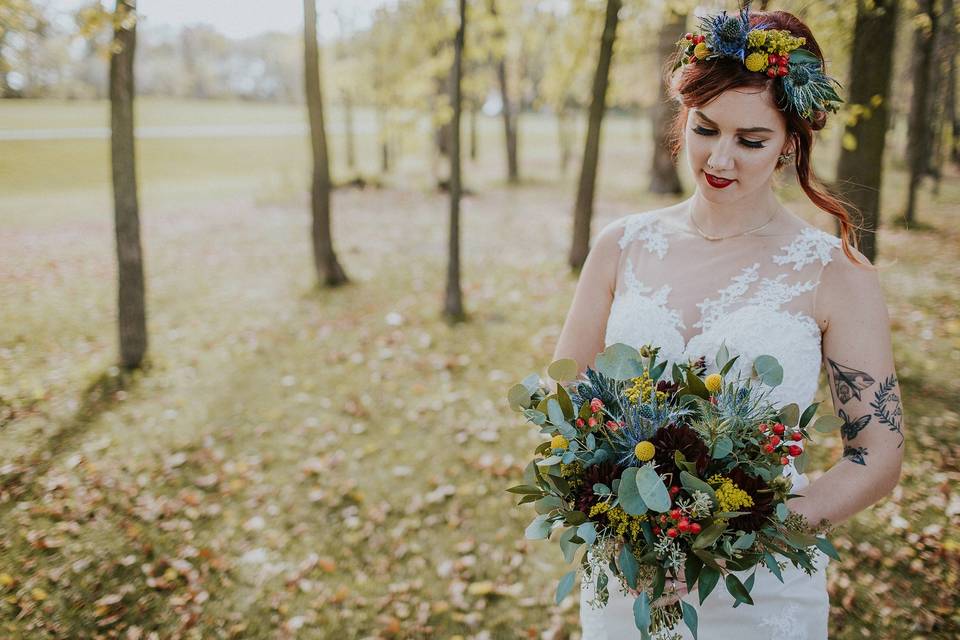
x=707, y=236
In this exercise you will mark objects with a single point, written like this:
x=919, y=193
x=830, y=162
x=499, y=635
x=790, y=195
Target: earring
x=784, y=158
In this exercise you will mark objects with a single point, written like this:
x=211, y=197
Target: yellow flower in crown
x=558, y=442
x=701, y=51
x=645, y=450
x=756, y=61
x=714, y=382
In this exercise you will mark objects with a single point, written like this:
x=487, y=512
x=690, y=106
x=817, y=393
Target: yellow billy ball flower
x=756, y=61
x=558, y=442
x=714, y=382
x=644, y=450
x=701, y=51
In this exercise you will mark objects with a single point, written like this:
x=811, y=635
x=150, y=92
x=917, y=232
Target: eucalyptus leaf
x=531, y=382
x=601, y=489
x=800, y=462
x=554, y=412
x=591, y=442
x=708, y=580
x=709, y=535
x=534, y=416
x=692, y=483
x=539, y=529
x=619, y=362
x=519, y=397
x=566, y=584
x=548, y=504
x=629, y=493
x=771, y=563
x=723, y=354
x=737, y=589
x=689, y=617
x=769, y=370
x=827, y=547
x=525, y=489
x=782, y=511
x=789, y=414
x=563, y=370
x=722, y=447
x=652, y=490
x=628, y=565
x=828, y=423
x=588, y=532
x=549, y=461
x=745, y=541
x=641, y=614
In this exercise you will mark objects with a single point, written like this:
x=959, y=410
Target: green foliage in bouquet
x=650, y=474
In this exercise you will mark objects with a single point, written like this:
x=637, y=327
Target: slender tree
x=942, y=98
x=663, y=169
x=131, y=298
x=453, y=303
x=329, y=271
x=918, y=130
x=860, y=169
x=509, y=117
x=583, y=211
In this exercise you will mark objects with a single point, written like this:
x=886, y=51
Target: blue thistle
x=643, y=420
x=727, y=35
x=807, y=88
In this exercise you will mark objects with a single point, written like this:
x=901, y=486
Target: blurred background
x=260, y=305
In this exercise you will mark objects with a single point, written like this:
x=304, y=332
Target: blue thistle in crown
x=727, y=35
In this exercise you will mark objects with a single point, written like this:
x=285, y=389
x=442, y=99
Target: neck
x=733, y=217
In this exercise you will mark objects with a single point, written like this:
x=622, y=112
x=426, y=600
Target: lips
x=716, y=182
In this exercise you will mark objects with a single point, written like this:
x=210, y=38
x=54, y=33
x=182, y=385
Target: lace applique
x=646, y=227
x=658, y=298
x=785, y=623
x=775, y=292
x=710, y=310
x=812, y=244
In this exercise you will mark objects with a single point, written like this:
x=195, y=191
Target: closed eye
x=753, y=144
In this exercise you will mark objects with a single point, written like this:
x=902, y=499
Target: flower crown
x=774, y=52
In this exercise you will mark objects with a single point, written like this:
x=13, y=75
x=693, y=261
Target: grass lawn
x=332, y=464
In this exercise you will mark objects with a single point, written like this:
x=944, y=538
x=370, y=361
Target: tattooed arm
x=858, y=358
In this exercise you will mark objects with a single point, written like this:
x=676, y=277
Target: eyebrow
x=750, y=130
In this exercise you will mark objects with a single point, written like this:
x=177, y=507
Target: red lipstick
x=717, y=183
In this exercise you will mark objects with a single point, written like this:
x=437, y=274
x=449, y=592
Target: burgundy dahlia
x=604, y=473
x=762, y=501
x=680, y=438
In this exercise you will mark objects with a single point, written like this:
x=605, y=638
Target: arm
x=582, y=336
x=858, y=355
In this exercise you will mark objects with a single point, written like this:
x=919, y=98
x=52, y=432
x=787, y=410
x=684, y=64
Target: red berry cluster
x=596, y=406
x=695, y=39
x=778, y=65
x=681, y=523
x=776, y=438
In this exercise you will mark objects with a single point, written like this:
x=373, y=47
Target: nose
x=721, y=158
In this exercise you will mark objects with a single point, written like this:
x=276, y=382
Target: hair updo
x=696, y=84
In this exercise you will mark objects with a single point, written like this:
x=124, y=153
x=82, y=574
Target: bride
x=731, y=264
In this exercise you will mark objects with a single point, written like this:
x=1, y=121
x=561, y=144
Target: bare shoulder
x=850, y=292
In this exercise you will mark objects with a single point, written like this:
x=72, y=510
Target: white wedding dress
x=756, y=293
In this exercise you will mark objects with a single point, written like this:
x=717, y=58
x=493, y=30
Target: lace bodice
x=755, y=293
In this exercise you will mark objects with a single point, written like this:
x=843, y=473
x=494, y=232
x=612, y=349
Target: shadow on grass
x=103, y=392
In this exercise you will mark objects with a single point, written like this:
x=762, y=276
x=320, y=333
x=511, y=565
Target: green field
x=318, y=464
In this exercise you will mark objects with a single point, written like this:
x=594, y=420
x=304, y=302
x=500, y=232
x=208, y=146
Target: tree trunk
x=565, y=139
x=131, y=295
x=329, y=271
x=509, y=119
x=348, y=124
x=945, y=51
x=453, y=303
x=918, y=131
x=952, y=107
x=583, y=211
x=473, y=132
x=860, y=169
x=663, y=170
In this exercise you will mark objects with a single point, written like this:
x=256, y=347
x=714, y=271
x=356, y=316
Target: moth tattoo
x=852, y=426
x=856, y=454
x=849, y=381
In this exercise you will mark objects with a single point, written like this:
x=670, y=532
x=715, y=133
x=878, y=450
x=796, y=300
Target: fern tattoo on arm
x=886, y=406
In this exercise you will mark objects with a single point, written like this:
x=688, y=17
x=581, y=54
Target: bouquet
x=652, y=476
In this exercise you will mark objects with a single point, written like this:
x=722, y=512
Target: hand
x=672, y=592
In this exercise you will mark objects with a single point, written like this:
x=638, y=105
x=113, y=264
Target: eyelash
x=752, y=144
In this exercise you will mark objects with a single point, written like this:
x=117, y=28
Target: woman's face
x=733, y=143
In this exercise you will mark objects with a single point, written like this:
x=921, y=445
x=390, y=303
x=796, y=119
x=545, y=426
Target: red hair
x=698, y=83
